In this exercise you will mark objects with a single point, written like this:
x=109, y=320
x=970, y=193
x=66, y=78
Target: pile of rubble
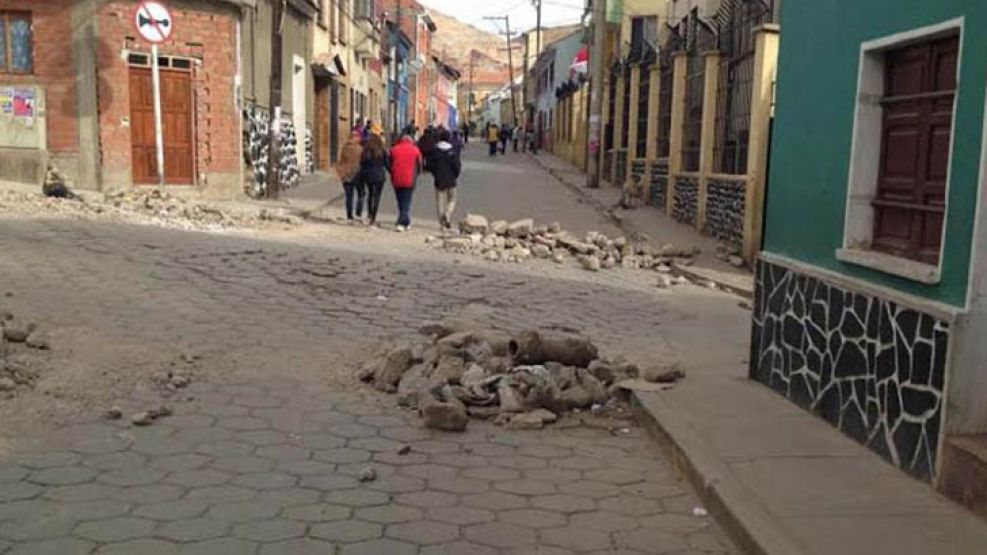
x=17, y=368
x=500, y=241
x=523, y=382
x=139, y=206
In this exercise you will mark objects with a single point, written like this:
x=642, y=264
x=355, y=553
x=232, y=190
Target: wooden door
x=322, y=125
x=176, y=122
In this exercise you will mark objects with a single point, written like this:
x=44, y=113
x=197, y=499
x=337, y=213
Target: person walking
x=515, y=136
x=427, y=141
x=374, y=166
x=532, y=141
x=445, y=166
x=348, y=168
x=457, y=143
x=466, y=133
x=493, y=135
x=406, y=164
x=505, y=134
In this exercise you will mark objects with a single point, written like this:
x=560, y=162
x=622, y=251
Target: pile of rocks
x=523, y=381
x=141, y=206
x=17, y=368
x=500, y=241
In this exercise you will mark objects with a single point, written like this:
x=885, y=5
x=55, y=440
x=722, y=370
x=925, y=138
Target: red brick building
x=90, y=71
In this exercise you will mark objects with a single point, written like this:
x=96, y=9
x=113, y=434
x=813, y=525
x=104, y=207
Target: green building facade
x=869, y=306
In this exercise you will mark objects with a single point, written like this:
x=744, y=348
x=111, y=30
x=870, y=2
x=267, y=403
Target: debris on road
x=115, y=413
x=20, y=365
x=524, y=381
x=144, y=206
x=367, y=474
x=522, y=240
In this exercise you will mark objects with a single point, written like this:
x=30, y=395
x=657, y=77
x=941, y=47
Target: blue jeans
x=354, y=206
x=404, y=204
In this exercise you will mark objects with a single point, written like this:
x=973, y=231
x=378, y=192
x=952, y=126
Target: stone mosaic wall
x=725, y=211
x=257, y=147
x=685, y=204
x=869, y=366
x=607, y=164
x=658, y=184
x=637, y=171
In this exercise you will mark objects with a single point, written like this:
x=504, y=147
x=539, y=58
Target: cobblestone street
x=263, y=451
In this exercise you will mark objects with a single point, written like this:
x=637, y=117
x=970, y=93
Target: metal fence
x=644, y=90
x=699, y=39
x=625, y=115
x=672, y=45
x=735, y=23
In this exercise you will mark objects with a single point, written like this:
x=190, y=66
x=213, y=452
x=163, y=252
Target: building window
x=902, y=152
x=16, y=43
x=919, y=92
x=644, y=37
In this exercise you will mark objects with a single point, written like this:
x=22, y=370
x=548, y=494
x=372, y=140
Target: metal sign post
x=154, y=24
x=158, y=132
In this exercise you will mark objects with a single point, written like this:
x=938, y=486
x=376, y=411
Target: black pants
x=373, y=199
x=354, y=206
x=493, y=149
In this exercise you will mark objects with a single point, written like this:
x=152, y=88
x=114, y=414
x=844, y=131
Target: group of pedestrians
x=498, y=137
x=365, y=163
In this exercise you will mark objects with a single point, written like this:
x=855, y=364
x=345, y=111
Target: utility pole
x=596, y=93
x=537, y=4
x=274, y=132
x=510, y=61
x=469, y=97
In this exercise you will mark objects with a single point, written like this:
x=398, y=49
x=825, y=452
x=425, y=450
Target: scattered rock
x=449, y=416
x=541, y=251
x=115, y=413
x=456, y=340
x=142, y=419
x=736, y=261
x=394, y=366
x=602, y=371
x=525, y=421
x=404, y=450
x=435, y=329
x=576, y=397
x=521, y=228
x=590, y=263
x=38, y=340
x=665, y=374
x=17, y=331
x=180, y=381
x=545, y=415
x=161, y=412
x=499, y=227
x=474, y=223
x=367, y=474
x=558, y=258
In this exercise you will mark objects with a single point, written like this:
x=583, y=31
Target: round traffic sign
x=153, y=21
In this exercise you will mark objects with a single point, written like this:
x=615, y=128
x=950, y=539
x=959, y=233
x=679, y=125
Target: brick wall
x=52, y=29
x=204, y=31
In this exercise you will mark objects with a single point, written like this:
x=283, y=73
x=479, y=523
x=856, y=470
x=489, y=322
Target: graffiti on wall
x=257, y=147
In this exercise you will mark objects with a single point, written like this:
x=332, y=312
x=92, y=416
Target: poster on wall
x=24, y=103
x=6, y=101
x=17, y=102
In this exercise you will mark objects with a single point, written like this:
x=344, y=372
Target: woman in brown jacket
x=349, y=172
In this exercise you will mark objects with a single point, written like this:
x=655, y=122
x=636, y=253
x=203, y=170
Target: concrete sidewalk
x=658, y=227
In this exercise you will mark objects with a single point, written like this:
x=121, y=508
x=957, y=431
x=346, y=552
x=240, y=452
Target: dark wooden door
x=322, y=123
x=176, y=123
x=920, y=87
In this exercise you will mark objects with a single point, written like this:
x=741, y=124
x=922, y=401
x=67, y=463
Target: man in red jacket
x=406, y=164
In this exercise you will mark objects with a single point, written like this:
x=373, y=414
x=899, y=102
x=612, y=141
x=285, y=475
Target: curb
x=608, y=213
x=748, y=523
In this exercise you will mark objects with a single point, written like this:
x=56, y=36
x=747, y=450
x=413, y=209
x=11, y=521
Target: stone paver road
x=272, y=469
x=264, y=457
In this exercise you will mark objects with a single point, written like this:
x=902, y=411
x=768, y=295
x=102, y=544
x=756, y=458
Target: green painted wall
x=810, y=157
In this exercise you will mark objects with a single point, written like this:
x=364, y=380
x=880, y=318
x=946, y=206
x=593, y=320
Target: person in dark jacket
x=374, y=166
x=444, y=164
x=427, y=141
x=505, y=134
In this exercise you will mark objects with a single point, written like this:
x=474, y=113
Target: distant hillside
x=455, y=39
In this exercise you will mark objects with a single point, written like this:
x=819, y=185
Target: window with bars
x=644, y=90
x=664, y=104
x=916, y=128
x=611, y=112
x=625, y=116
x=692, y=124
x=16, y=42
